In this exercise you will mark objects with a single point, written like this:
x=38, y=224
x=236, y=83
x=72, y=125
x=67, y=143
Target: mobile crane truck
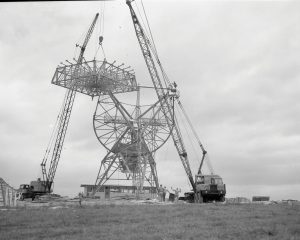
x=205, y=187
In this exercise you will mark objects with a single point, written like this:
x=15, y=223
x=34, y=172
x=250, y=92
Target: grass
x=181, y=221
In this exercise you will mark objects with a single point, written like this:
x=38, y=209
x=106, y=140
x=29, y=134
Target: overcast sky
x=236, y=65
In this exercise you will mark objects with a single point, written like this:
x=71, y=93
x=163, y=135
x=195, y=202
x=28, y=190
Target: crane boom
x=64, y=120
x=166, y=106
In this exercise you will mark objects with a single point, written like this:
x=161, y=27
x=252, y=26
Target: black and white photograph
x=148, y=119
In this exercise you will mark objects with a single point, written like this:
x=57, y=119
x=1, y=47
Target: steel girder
x=131, y=140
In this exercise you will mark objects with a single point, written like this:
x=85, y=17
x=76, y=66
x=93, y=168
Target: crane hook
x=100, y=40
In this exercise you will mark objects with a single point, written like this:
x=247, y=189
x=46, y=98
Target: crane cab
x=25, y=191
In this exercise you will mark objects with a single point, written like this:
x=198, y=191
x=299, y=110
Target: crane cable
x=164, y=74
x=152, y=45
x=186, y=129
x=144, y=26
x=101, y=31
x=207, y=159
x=154, y=49
x=191, y=126
x=204, y=152
x=167, y=83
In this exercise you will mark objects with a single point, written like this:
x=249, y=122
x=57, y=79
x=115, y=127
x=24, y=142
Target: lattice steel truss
x=91, y=78
x=95, y=77
x=131, y=134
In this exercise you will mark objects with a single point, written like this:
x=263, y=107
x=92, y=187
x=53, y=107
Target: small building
x=260, y=198
x=237, y=200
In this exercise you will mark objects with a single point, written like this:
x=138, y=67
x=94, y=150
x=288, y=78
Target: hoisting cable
x=102, y=28
x=188, y=168
x=204, y=152
x=191, y=126
x=142, y=23
x=153, y=48
x=186, y=130
x=208, y=163
x=151, y=36
x=167, y=82
x=80, y=39
x=101, y=31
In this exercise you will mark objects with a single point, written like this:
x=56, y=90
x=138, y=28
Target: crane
x=63, y=121
x=160, y=91
x=205, y=187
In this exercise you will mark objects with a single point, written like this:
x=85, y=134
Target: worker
x=176, y=192
x=200, y=180
x=160, y=193
x=165, y=190
x=80, y=195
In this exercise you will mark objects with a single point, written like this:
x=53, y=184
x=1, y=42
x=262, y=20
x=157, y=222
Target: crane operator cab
x=209, y=188
x=25, y=191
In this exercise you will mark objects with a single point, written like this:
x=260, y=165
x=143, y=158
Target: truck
x=209, y=188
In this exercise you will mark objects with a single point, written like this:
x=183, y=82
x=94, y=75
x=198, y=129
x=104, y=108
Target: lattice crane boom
x=166, y=106
x=64, y=118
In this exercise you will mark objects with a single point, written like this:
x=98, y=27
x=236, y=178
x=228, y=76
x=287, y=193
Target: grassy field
x=177, y=221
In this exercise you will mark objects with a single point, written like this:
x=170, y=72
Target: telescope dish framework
x=131, y=133
x=95, y=77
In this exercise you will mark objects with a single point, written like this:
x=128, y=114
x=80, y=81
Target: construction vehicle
x=32, y=190
x=208, y=189
x=53, y=151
